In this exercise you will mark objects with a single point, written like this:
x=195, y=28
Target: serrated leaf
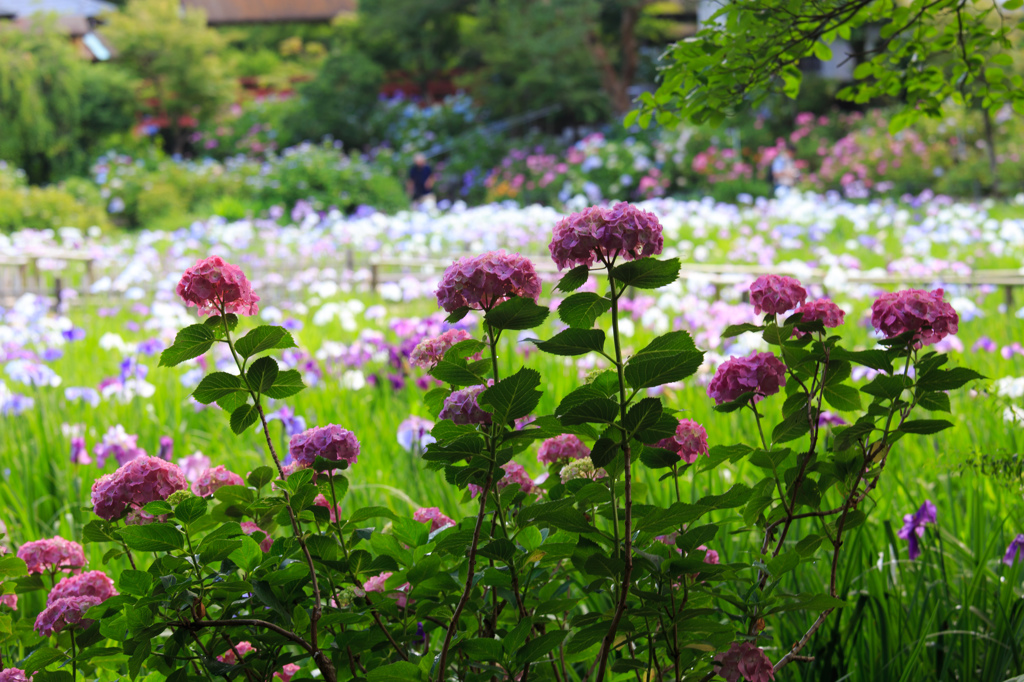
x=516, y=314
x=260, y=476
x=595, y=411
x=574, y=279
x=12, y=567
x=248, y=556
x=135, y=583
x=512, y=397
x=243, y=417
x=287, y=384
x=190, y=510
x=215, y=386
x=570, y=342
x=925, y=426
x=263, y=338
x=652, y=371
x=216, y=323
x=643, y=415
x=190, y=342
x=947, y=379
x=647, y=273
x=153, y=537
x=262, y=374
x=842, y=397
x=455, y=372
x=580, y=311
x=737, y=329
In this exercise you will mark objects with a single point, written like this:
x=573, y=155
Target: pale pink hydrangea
x=915, y=310
x=606, y=233
x=776, y=294
x=229, y=656
x=55, y=553
x=761, y=373
x=461, y=407
x=135, y=485
x=10, y=601
x=89, y=584
x=120, y=445
x=194, y=465
x=689, y=442
x=483, y=281
x=513, y=473
x=561, y=448
x=14, y=675
x=322, y=501
x=434, y=515
x=248, y=527
x=744, y=661
x=330, y=442
x=61, y=613
x=212, y=284
x=822, y=309
x=710, y=555
x=430, y=351
x=287, y=672
x=212, y=479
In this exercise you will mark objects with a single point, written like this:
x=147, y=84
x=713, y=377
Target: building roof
x=260, y=11
x=81, y=8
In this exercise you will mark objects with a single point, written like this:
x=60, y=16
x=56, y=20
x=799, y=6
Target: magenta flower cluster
x=321, y=501
x=606, y=233
x=212, y=283
x=434, y=516
x=53, y=554
x=822, y=309
x=248, y=527
x=744, y=661
x=512, y=472
x=483, y=281
x=461, y=407
x=14, y=675
x=689, y=442
x=776, y=294
x=61, y=613
x=213, y=478
x=135, y=485
x=430, y=351
x=760, y=373
x=88, y=584
x=330, y=442
x=915, y=310
x=230, y=657
x=561, y=448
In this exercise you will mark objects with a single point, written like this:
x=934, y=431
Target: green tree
x=177, y=59
x=927, y=53
x=40, y=90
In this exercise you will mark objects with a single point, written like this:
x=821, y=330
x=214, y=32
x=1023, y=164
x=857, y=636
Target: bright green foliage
x=926, y=54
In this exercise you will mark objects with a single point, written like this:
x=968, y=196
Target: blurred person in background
x=420, y=184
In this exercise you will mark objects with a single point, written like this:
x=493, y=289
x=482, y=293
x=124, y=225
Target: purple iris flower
x=79, y=453
x=73, y=334
x=913, y=527
x=984, y=343
x=15, y=405
x=151, y=346
x=414, y=433
x=166, y=451
x=52, y=354
x=87, y=395
x=1014, y=551
x=292, y=423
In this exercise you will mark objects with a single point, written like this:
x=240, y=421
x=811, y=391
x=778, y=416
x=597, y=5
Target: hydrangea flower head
x=689, y=442
x=581, y=468
x=62, y=613
x=430, y=351
x=14, y=675
x=481, y=282
x=775, y=294
x=212, y=283
x=461, y=407
x=89, y=584
x=248, y=527
x=512, y=472
x=622, y=230
x=822, y=309
x=563, y=447
x=53, y=554
x=136, y=484
x=212, y=479
x=744, y=661
x=242, y=648
x=330, y=442
x=913, y=527
x=915, y=310
x=287, y=672
x=761, y=373
x=434, y=515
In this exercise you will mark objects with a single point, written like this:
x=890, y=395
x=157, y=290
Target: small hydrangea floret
x=214, y=478
x=462, y=408
x=689, y=441
x=432, y=514
x=53, y=554
x=63, y=613
x=430, y=351
x=88, y=584
x=562, y=448
x=135, y=485
x=821, y=310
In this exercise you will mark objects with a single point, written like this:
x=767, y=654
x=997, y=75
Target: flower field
x=929, y=580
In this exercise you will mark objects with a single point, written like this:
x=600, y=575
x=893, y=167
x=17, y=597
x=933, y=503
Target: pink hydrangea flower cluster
x=689, y=442
x=776, y=294
x=88, y=584
x=10, y=601
x=483, y=281
x=745, y=661
x=212, y=283
x=137, y=517
x=376, y=584
x=330, y=442
x=61, y=613
x=622, y=230
x=216, y=477
x=561, y=448
x=54, y=554
x=248, y=527
x=322, y=501
x=242, y=648
x=430, y=351
x=434, y=515
x=822, y=309
x=915, y=310
x=135, y=485
x=287, y=672
x=123, y=446
x=14, y=675
x=514, y=473
x=762, y=373
x=461, y=407
x=194, y=465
